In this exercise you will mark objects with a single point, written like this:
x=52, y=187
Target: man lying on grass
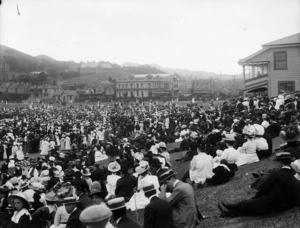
x=279, y=192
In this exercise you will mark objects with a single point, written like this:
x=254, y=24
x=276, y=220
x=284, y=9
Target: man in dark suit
x=125, y=184
x=279, y=192
x=73, y=221
x=84, y=199
x=118, y=208
x=158, y=213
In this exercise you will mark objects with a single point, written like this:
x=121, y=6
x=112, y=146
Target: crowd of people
x=87, y=165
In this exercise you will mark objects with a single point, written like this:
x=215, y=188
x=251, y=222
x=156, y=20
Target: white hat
x=114, y=167
x=259, y=130
x=250, y=131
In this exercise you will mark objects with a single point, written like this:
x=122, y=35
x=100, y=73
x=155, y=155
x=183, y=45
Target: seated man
x=279, y=192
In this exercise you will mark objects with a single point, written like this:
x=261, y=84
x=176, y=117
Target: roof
x=293, y=39
x=289, y=40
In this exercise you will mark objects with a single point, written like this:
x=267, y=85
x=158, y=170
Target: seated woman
x=21, y=217
x=262, y=147
x=230, y=155
x=247, y=153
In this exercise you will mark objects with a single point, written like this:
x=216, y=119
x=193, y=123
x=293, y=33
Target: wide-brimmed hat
x=116, y=203
x=296, y=166
x=162, y=145
x=290, y=134
x=166, y=175
x=259, y=130
x=250, y=131
x=114, y=167
x=51, y=197
x=19, y=195
x=95, y=214
x=143, y=167
x=36, y=186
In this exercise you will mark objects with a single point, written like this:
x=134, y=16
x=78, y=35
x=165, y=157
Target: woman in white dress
x=247, y=152
x=67, y=142
x=114, y=168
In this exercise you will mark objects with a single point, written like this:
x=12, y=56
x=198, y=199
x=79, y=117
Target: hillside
x=21, y=62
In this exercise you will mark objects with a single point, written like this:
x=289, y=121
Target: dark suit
x=84, y=201
x=276, y=194
x=126, y=222
x=73, y=221
x=158, y=214
x=125, y=186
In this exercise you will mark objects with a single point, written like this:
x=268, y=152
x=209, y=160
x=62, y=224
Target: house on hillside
x=4, y=87
x=13, y=88
x=23, y=89
x=105, y=88
x=273, y=68
x=66, y=96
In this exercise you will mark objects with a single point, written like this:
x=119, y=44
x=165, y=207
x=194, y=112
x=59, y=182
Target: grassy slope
x=237, y=189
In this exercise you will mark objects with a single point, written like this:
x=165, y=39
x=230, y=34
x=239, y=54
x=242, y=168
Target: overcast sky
x=210, y=35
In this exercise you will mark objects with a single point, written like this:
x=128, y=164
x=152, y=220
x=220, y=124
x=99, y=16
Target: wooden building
x=273, y=68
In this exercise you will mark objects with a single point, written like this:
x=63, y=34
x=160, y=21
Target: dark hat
x=166, y=175
x=148, y=187
x=283, y=156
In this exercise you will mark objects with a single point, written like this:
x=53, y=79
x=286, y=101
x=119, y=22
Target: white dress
x=201, y=168
x=111, y=184
x=247, y=153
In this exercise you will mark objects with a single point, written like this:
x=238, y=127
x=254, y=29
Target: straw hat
x=143, y=167
x=114, y=167
x=116, y=203
x=95, y=214
x=70, y=200
x=19, y=195
x=51, y=197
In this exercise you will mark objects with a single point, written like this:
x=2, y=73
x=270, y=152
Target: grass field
x=235, y=190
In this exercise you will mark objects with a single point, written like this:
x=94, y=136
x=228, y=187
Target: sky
x=208, y=35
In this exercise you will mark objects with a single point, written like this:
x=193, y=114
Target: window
x=142, y=94
x=287, y=86
x=280, y=60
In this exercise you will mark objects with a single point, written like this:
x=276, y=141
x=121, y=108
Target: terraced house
x=273, y=68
